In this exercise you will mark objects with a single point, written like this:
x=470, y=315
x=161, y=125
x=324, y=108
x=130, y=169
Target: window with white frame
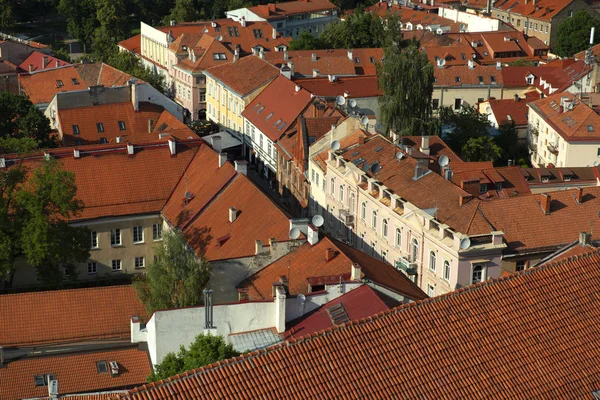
x=447, y=270
x=398, y=237
x=432, y=260
x=477, y=274
x=384, y=228
x=139, y=262
x=115, y=237
x=341, y=194
x=363, y=211
x=93, y=240
x=116, y=265
x=414, y=250
x=332, y=187
x=138, y=234
x=92, y=268
x=374, y=220
x=430, y=290
x=156, y=231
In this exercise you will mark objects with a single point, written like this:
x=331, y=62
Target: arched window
x=477, y=275
x=363, y=211
x=332, y=186
x=415, y=249
x=432, y=260
x=374, y=221
x=341, y=193
x=398, y=237
x=447, y=270
x=384, y=228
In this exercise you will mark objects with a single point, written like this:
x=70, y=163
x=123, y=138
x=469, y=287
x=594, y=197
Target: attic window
x=122, y=125
x=457, y=79
x=257, y=33
x=42, y=380
x=483, y=188
x=219, y=56
x=480, y=79
x=59, y=83
x=357, y=60
x=590, y=128
x=463, y=56
x=499, y=186
x=372, y=59
x=269, y=116
x=75, y=129
x=100, y=126
x=260, y=109
x=282, y=125
x=233, y=31
x=277, y=122
x=101, y=366
x=493, y=79
x=103, y=140
x=75, y=81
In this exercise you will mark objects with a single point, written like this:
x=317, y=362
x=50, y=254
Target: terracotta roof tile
x=133, y=44
x=76, y=373
x=461, y=75
x=282, y=10
x=355, y=86
x=203, y=50
x=68, y=315
x=42, y=86
x=36, y=60
x=548, y=79
x=245, y=75
x=330, y=62
x=395, y=355
x=509, y=110
x=542, y=10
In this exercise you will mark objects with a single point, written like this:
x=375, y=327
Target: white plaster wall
x=236, y=15
x=153, y=34
x=295, y=307
x=475, y=23
x=146, y=92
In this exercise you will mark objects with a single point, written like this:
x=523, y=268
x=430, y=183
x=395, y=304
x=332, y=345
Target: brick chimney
x=355, y=272
x=329, y=254
x=545, y=203
x=579, y=195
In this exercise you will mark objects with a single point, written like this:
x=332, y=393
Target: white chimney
x=350, y=55
x=315, y=73
x=222, y=159
x=331, y=78
x=75, y=153
x=286, y=56
x=130, y=149
x=215, y=142
x=232, y=214
x=172, y=147
x=298, y=88
x=274, y=35
x=291, y=65
x=424, y=145
x=471, y=64
x=314, y=57
x=313, y=235
x=236, y=54
x=258, y=247
x=280, y=296
x=261, y=53
x=355, y=272
x=118, y=139
x=53, y=389
x=241, y=166
x=243, y=22
x=498, y=65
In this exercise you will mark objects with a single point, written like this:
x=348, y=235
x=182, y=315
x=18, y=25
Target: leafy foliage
x=512, y=149
x=306, y=41
x=482, y=148
x=81, y=18
x=129, y=63
x=183, y=11
x=574, y=34
x=205, y=350
x=176, y=278
x=19, y=118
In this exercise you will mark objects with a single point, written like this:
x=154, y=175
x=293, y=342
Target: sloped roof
x=394, y=354
x=203, y=51
x=550, y=78
x=355, y=86
x=543, y=10
x=42, y=86
x=281, y=10
x=62, y=316
x=462, y=75
x=76, y=373
x=245, y=75
x=36, y=60
x=509, y=110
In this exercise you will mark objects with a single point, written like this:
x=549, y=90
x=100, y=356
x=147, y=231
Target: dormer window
x=75, y=81
x=59, y=83
x=219, y=56
x=530, y=79
x=457, y=79
x=100, y=127
x=483, y=188
x=122, y=125
x=499, y=186
x=103, y=140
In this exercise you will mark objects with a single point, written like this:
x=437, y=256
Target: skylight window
x=43, y=380
x=282, y=125
x=463, y=56
x=590, y=128
x=480, y=79
x=372, y=59
x=75, y=129
x=122, y=125
x=493, y=79
x=260, y=109
x=100, y=126
x=357, y=60
x=75, y=81
x=101, y=366
x=457, y=79
x=277, y=122
x=59, y=83
x=219, y=56
x=269, y=116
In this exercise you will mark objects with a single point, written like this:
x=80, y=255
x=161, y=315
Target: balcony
x=532, y=147
x=409, y=268
x=347, y=217
x=552, y=148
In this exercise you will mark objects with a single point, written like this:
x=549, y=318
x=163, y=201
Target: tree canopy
x=205, y=350
x=574, y=34
x=176, y=277
x=19, y=118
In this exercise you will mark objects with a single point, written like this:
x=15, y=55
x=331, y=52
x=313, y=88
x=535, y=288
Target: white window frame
x=430, y=290
x=482, y=276
x=341, y=194
x=432, y=260
x=136, y=263
x=157, y=232
x=374, y=220
x=93, y=240
x=117, y=265
x=92, y=268
x=137, y=231
x=384, y=228
x=363, y=210
x=114, y=235
x=446, y=270
x=398, y=237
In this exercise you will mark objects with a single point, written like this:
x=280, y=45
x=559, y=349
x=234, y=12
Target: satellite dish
x=378, y=127
x=220, y=38
x=318, y=220
x=188, y=196
x=364, y=121
x=301, y=299
x=443, y=161
x=465, y=243
x=374, y=167
x=335, y=145
x=340, y=100
x=294, y=233
x=352, y=103
x=399, y=156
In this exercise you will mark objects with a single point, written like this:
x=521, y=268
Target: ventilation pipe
x=208, y=309
x=232, y=214
x=222, y=159
x=355, y=272
x=172, y=147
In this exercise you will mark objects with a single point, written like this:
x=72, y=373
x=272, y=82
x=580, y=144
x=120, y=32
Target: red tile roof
x=285, y=9
x=462, y=75
x=76, y=373
x=359, y=303
x=308, y=263
x=133, y=44
x=36, y=61
x=245, y=75
x=554, y=77
x=202, y=52
x=543, y=10
x=63, y=316
x=395, y=355
x=42, y=86
x=277, y=107
x=355, y=86
x=508, y=110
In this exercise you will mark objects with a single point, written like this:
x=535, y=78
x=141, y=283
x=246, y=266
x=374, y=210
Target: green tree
x=81, y=18
x=464, y=125
x=306, y=41
x=482, y=148
x=6, y=15
x=205, y=350
x=360, y=30
x=574, y=34
x=521, y=62
x=130, y=63
x=512, y=149
x=406, y=79
x=19, y=118
x=176, y=278
x=112, y=16
x=183, y=11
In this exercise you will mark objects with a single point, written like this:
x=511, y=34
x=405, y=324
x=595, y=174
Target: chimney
x=150, y=125
x=279, y=300
x=261, y=53
x=424, y=145
x=545, y=203
x=241, y=166
x=579, y=195
x=134, y=97
x=315, y=73
x=215, y=142
x=172, y=22
x=118, y=139
x=329, y=254
x=30, y=68
x=291, y=65
x=57, y=63
x=355, y=272
x=418, y=171
x=350, y=55
x=53, y=389
x=243, y=22
x=44, y=62
x=130, y=149
x=236, y=54
x=313, y=235
x=286, y=56
x=172, y=147
x=497, y=238
x=222, y=159
x=516, y=97
x=584, y=238
x=274, y=34
x=297, y=88
x=76, y=153
x=314, y=57
x=232, y=214
x=471, y=64
x=258, y=247
x=255, y=51
x=448, y=174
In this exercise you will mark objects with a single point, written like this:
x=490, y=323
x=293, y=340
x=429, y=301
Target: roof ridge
x=64, y=290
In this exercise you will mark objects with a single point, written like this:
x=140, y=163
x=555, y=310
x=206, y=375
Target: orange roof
x=508, y=110
x=110, y=76
x=258, y=218
x=307, y=265
x=245, y=75
x=355, y=86
x=550, y=78
x=42, y=86
x=282, y=10
x=277, y=107
x=76, y=373
x=133, y=44
x=543, y=10
x=202, y=53
x=62, y=316
x=394, y=354
x=462, y=75
x=581, y=123
x=36, y=61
